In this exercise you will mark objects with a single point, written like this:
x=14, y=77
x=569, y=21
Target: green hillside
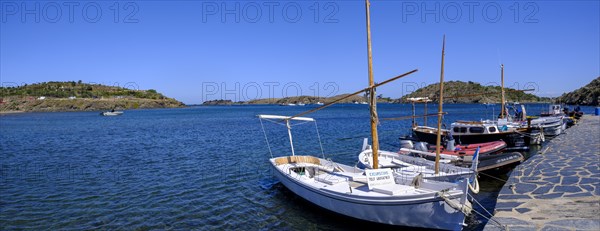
x=77, y=96
x=77, y=89
x=471, y=92
x=587, y=95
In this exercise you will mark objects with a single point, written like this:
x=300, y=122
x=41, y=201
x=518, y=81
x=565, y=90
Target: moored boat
x=376, y=195
x=464, y=152
x=346, y=190
x=111, y=113
x=492, y=159
x=473, y=132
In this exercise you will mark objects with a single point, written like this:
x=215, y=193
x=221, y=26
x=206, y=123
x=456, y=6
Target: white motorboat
x=111, y=113
x=549, y=126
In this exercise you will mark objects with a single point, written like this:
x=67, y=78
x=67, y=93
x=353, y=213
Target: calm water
x=192, y=168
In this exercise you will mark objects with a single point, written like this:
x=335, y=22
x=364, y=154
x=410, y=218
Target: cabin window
x=476, y=130
x=492, y=129
x=459, y=130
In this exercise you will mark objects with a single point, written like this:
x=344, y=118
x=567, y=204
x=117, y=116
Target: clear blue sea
x=192, y=168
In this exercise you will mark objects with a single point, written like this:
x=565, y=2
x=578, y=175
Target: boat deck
x=333, y=180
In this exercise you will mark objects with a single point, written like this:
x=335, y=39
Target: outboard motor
x=450, y=144
x=406, y=144
x=421, y=146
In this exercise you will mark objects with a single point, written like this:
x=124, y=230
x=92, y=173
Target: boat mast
x=373, y=99
x=289, y=128
x=502, y=82
x=440, y=103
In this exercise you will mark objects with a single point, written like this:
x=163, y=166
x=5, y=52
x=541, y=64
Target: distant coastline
x=78, y=96
x=456, y=92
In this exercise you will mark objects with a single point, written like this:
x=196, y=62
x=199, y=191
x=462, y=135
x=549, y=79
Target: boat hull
x=493, y=161
x=435, y=213
x=512, y=139
x=499, y=161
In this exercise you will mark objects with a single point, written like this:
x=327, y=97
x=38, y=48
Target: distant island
x=472, y=92
x=79, y=96
x=587, y=95
x=454, y=92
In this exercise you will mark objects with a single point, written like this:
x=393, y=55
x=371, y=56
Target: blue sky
x=193, y=52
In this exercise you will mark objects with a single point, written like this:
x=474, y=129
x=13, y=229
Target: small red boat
x=469, y=149
x=490, y=157
x=458, y=150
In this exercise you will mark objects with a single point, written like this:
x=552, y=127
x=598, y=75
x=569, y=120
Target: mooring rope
x=462, y=208
x=488, y=175
x=467, y=209
x=474, y=189
x=491, y=217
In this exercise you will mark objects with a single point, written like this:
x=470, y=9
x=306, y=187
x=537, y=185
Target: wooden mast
x=502, y=82
x=440, y=103
x=373, y=99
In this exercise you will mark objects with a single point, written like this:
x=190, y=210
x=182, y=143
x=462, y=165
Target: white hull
x=551, y=126
x=409, y=166
x=422, y=209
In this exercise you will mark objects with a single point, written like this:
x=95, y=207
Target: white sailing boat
x=372, y=194
x=377, y=195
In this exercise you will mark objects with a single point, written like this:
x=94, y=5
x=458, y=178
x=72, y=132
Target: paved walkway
x=557, y=189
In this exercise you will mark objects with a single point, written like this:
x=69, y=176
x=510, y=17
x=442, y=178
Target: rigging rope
x=267, y=139
x=319, y=137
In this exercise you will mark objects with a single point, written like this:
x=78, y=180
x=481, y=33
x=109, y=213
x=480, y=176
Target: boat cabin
x=473, y=127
